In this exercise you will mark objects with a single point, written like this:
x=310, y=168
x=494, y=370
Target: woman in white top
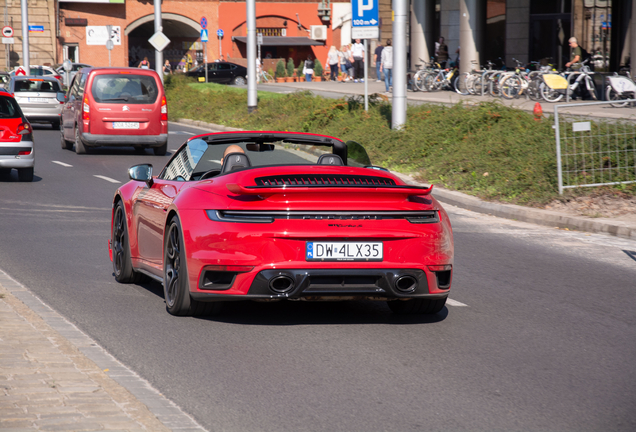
x=332, y=61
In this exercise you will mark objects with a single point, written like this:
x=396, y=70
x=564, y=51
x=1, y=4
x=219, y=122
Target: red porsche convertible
x=280, y=216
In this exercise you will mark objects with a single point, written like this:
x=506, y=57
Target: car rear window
x=9, y=108
x=131, y=89
x=37, y=85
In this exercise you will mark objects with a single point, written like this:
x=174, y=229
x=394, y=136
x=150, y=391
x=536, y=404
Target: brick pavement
x=53, y=377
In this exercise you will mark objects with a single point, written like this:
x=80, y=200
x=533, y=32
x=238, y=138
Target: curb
x=506, y=211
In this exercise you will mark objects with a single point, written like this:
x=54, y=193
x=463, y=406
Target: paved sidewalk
x=55, y=378
x=449, y=97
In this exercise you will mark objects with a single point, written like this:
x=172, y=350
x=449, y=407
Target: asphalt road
x=540, y=332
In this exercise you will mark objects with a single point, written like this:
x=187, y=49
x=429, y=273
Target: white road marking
x=173, y=150
x=107, y=179
x=452, y=302
x=180, y=133
x=62, y=163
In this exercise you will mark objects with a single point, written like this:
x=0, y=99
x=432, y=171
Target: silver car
x=40, y=98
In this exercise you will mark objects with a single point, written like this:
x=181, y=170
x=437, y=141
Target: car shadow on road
x=292, y=313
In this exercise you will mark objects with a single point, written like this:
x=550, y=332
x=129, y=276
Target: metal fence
x=594, y=151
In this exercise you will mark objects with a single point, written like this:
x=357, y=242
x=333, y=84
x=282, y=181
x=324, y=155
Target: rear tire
x=120, y=245
x=176, y=287
x=418, y=81
x=511, y=87
x=417, y=306
x=239, y=80
x=66, y=145
x=460, y=84
x=80, y=148
x=25, y=174
x=161, y=151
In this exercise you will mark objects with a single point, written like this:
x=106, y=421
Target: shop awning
x=282, y=41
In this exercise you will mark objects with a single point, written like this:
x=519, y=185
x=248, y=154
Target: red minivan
x=115, y=107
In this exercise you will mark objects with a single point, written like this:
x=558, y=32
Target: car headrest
x=330, y=159
x=234, y=161
x=45, y=86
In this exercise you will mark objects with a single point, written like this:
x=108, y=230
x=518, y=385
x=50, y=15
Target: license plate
x=344, y=251
x=125, y=125
x=201, y=79
x=38, y=99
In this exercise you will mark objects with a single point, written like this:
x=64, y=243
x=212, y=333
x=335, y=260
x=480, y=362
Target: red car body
x=115, y=107
x=252, y=233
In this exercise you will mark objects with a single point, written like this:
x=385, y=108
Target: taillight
x=164, y=109
x=26, y=152
x=26, y=131
x=86, y=110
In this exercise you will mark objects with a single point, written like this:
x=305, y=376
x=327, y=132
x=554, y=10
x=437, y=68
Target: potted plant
x=290, y=70
x=299, y=72
x=280, y=71
x=317, y=71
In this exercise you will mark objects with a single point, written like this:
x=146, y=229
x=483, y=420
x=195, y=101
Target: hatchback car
x=221, y=72
x=4, y=79
x=40, y=98
x=40, y=71
x=115, y=107
x=16, y=140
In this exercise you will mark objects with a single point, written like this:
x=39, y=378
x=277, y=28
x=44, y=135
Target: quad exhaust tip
x=281, y=284
x=405, y=283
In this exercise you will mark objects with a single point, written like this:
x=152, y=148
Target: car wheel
x=80, y=148
x=417, y=306
x=66, y=145
x=25, y=174
x=176, y=287
x=122, y=264
x=239, y=80
x=161, y=151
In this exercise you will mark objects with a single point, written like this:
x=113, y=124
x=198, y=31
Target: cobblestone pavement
x=55, y=378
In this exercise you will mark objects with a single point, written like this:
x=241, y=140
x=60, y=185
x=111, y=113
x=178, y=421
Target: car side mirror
x=61, y=97
x=142, y=173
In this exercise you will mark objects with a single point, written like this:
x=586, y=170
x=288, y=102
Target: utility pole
x=26, y=59
x=398, y=116
x=158, y=28
x=252, y=96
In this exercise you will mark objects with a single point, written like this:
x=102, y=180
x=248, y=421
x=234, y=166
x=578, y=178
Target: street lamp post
x=26, y=60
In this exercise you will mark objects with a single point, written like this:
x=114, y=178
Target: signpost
x=68, y=67
x=7, y=31
x=365, y=21
x=204, y=39
x=219, y=33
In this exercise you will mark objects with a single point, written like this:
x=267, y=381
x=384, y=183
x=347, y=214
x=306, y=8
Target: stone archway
x=183, y=32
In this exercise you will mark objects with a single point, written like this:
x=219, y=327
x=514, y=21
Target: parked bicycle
x=619, y=88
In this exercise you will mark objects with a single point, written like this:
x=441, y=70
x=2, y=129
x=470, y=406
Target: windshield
x=131, y=89
x=9, y=108
x=36, y=85
x=198, y=157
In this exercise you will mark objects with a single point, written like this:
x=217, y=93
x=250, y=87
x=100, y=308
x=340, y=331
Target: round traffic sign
x=68, y=65
x=219, y=33
x=204, y=23
x=7, y=31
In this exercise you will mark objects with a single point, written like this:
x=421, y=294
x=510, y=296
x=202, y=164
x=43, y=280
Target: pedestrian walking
x=144, y=64
x=308, y=68
x=167, y=69
x=357, y=52
x=386, y=65
x=441, y=52
x=332, y=61
x=377, y=58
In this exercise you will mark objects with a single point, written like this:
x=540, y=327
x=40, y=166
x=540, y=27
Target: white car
x=39, y=71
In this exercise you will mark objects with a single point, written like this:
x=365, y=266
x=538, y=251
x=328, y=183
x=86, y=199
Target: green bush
x=489, y=150
x=300, y=69
x=280, y=69
x=318, y=68
x=290, y=67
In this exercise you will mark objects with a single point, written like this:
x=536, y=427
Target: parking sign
x=365, y=19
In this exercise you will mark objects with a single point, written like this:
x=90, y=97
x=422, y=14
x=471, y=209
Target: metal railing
x=594, y=151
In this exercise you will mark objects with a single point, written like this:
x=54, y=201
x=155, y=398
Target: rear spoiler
x=267, y=190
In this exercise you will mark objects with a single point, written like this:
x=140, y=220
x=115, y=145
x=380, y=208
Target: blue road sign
x=204, y=23
x=219, y=33
x=36, y=29
x=365, y=19
x=204, y=35
x=365, y=13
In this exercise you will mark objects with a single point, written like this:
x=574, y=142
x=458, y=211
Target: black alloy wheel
x=122, y=264
x=176, y=287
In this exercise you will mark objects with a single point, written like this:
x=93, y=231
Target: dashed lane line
x=62, y=163
x=451, y=302
x=108, y=179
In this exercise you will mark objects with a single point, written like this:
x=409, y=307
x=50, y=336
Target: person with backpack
x=579, y=54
